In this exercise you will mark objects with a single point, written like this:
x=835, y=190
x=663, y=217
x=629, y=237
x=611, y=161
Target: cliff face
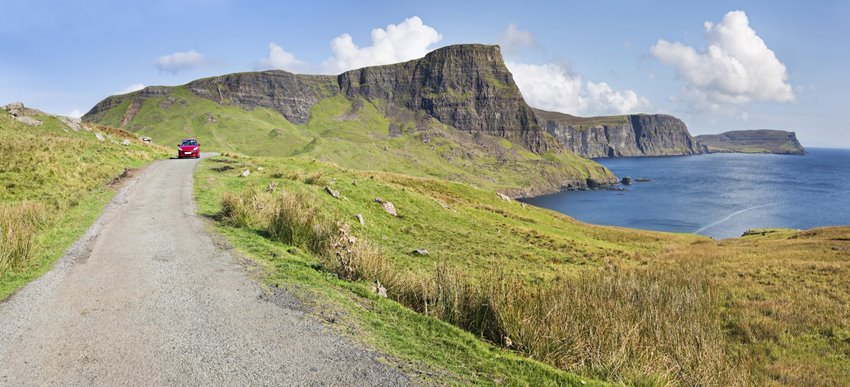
x=620, y=136
x=292, y=95
x=752, y=141
x=467, y=87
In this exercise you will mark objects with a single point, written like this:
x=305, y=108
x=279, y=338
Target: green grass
x=63, y=176
x=355, y=133
x=424, y=347
x=771, y=308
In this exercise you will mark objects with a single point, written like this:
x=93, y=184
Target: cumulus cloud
x=131, y=88
x=736, y=68
x=553, y=87
x=514, y=40
x=181, y=61
x=401, y=42
x=279, y=59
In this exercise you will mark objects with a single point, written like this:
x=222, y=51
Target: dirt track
x=147, y=298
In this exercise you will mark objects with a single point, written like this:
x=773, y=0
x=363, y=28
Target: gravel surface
x=146, y=298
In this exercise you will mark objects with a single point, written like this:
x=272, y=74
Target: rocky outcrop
x=752, y=141
x=292, y=95
x=464, y=86
x=467, y=87
x=620, y=136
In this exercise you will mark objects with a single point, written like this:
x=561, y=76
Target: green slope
x=627, y=306
x=53, y=184
x=357, y=133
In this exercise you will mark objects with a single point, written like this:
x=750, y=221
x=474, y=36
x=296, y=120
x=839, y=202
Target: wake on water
x=730, y=216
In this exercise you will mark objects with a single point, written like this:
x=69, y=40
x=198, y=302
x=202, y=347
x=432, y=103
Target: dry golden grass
x=622, y=305
x=19, y=226
x=46, y=172
x=658, y=324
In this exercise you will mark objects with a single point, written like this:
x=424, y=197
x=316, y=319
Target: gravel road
x=147, y=298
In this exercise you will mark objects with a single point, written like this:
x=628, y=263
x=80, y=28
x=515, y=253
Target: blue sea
x=718, y=195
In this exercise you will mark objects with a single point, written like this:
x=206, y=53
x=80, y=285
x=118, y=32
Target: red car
x=189, y=148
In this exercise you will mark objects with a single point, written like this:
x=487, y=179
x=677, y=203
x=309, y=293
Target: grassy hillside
x=360, y=134
x=615, y=304
x=54, y=181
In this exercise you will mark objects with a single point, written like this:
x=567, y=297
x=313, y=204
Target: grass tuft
x=19, y=226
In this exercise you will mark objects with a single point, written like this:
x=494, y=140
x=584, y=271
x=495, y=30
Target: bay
x=718, y=195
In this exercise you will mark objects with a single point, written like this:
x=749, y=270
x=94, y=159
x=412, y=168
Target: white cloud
x=131, y=88
x=553, y=87
x=76, y=113
x=401, y=42
x=181, y=61
x=736, y=68
x=279, y=59
x=514, y=40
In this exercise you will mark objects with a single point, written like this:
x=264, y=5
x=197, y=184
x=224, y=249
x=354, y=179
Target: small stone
x=354, y=182
x=332, y=192
x=125, y=142
x=379, y=200
x=360, y=219
x=259, y=168
x=246, y=172
x=379, y=289
x=389, y=208
x=508, y=342
x=99, y=136
x=145, y=139
x=421, y=252
x=271, y=187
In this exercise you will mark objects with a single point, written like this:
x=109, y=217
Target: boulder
x=14, y=108
x=245, y=173
x=421, y=252
x=99, y=136
x=626, y=180
x=73, y=123
x=503, y=196
x=360, y=219
x=28, y=120
x=125, y=142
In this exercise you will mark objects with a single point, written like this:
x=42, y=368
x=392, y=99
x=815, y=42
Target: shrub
x=656, y=325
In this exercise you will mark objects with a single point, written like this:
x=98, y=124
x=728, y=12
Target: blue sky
x=775, y=64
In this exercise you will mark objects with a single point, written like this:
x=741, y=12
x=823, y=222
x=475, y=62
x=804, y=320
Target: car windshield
x=188, y=143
